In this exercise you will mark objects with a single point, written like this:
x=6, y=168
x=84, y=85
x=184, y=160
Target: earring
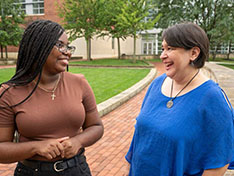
x=192, y=63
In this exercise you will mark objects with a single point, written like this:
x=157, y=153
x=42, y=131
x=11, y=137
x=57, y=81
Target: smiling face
x=57, y=61
x=176, y=60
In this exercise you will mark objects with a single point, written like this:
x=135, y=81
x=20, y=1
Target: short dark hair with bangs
x=188, y=35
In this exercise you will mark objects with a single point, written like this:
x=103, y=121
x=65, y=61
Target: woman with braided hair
x=54, y=111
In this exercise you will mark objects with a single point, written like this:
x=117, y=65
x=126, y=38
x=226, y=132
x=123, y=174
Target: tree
x=110, y=24
x=226, y=28
x=11, y=17
x=209, y=14
x=82, y=19
x=132, y=17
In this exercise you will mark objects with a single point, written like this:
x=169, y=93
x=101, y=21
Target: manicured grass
x=231, y=61
x=105, y=82
x=228, y=65
x=154, y=60
x=111, y=62
x=6, y=74
x=108, y=82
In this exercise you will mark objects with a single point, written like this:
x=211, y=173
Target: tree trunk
x=229, y=50
x=214, y=53
x=134, y=49
x=118, y=47
x=1, y=51
x=88, y=48
x=6, y=53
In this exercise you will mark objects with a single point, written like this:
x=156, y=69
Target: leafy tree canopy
x=81, y=17
x=211, y=15
x=11, y=16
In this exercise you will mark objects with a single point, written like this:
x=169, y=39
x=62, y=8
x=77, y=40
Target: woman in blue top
x=185, y=127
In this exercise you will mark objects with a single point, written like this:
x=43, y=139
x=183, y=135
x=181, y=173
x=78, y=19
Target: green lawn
x=228, y=65
x=6, y=74
x=154, y=60
x=230, y=61
x=105, y=82
x=108, y=82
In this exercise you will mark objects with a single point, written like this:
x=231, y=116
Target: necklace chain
x=51, y=91
x=170, y=102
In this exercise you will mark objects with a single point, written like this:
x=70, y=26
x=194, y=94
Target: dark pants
x=80, y=169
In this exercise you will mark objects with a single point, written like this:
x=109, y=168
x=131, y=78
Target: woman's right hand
x=51, y=148
x=11, y=152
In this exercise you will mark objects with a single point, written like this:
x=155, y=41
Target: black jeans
x=81, y=169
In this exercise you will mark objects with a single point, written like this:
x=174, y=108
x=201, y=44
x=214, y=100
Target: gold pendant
x=169, y=104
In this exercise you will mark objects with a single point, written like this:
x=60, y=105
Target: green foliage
x=10, y=18
x=82, y=18
x=110, y=24
x=3, y=37
x=116, y=18
x=211, y=15
x=79, y=18
x=133, y=18
x=214, y=16
x=133, y=14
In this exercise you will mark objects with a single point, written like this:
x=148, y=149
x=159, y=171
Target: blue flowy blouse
x=196, y=134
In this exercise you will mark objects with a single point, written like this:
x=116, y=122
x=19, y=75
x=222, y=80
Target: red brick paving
x=106, y=157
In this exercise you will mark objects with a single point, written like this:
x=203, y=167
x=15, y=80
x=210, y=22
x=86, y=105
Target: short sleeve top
x=40, y=117
x=196, y=134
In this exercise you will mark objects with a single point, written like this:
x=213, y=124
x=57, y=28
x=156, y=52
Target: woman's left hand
x=71, y=147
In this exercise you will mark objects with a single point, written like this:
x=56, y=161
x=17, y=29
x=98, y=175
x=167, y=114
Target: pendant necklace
x=51, y=91
x=170, y=102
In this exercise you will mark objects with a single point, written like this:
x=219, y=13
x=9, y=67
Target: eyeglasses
x=65, y=48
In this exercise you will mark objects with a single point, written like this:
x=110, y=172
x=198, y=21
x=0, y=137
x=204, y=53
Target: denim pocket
x=22, y=170
x=84, y=166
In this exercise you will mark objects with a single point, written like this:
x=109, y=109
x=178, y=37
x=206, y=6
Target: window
x=149, y=43
x=31, y=7
x=38, y=6
x=224, y=48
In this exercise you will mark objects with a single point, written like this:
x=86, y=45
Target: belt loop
x=76, y=159
x=80, y=152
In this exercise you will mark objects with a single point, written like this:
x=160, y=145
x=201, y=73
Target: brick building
x=100, y=48
x=36, y=9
